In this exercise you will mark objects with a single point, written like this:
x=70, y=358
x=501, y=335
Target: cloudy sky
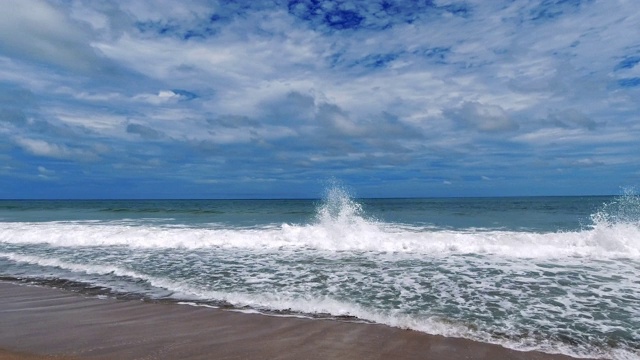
x=254, y=99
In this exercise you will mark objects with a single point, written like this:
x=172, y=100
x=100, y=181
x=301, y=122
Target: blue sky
x=255, y=99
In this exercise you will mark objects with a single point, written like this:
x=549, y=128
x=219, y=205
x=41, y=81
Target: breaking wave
x=341, y=225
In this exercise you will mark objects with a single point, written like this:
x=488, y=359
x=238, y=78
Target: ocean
x=555, y=274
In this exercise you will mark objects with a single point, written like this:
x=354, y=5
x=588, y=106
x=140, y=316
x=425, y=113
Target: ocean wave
x=329, y=306
x=604, y=240
x=577, y=296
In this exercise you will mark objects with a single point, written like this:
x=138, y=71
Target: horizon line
x=305, y=198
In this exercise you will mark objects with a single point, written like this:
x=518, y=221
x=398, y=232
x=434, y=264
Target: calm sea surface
x=557, y=274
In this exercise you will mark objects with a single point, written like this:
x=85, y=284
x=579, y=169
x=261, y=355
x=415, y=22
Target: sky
x=278, y=99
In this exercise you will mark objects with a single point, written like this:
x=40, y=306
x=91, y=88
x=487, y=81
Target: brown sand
x=43, y=323
x=15, y=355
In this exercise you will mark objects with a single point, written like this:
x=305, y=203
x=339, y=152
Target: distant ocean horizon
x=559, y=274
x=316, y=197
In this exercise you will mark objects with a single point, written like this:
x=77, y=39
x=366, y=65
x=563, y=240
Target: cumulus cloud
x=293, y=90
x=320, y=125
x=38, y=31
x=485, y=118
x=51, y=150
x=570, y=118
x=336, y=120
x=295, y=107
x=165, y=97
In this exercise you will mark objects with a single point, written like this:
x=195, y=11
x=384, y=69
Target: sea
x=554, y=274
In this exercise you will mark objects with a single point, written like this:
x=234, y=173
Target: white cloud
x=265, y=52
x=101, y=123
x=46, y=149
x=38, y=31
x=111, y=96
x=416, y=88
x=46, y=174
x=571, y=137
x=162, y=97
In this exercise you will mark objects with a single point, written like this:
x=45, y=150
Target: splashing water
x=625, y=209
x=616, y=227
x=339, y=207
x=340, y=226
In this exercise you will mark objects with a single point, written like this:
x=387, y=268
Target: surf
x=557, y=291
x=340, y=224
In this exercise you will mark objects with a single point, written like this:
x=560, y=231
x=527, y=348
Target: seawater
x=556, y=274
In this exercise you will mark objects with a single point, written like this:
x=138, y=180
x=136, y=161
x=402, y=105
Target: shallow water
x=557, y=274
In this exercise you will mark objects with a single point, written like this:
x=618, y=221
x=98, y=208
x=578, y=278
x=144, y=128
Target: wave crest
x=341, y=225
x=616, y=227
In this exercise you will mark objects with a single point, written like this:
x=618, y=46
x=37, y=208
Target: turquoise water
x=557, y=274
x=532, y=213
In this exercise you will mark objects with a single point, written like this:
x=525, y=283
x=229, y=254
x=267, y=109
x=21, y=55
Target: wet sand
x=38, y=323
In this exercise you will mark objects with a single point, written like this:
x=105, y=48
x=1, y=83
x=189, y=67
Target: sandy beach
x=39, y=323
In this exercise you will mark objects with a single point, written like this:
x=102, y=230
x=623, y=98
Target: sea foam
x=340, y=225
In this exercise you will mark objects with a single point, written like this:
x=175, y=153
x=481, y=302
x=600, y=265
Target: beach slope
x=38, y=321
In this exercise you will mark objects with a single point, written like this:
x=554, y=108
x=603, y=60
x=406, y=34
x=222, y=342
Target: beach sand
x=46, y=323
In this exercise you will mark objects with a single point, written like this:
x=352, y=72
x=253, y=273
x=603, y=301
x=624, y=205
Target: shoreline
x=49, y=323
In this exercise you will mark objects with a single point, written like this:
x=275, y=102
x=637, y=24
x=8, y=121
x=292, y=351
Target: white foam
x=291, y=299
x=86, y=268
x=195, y=304
x=340, y=225
x=352, y=234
